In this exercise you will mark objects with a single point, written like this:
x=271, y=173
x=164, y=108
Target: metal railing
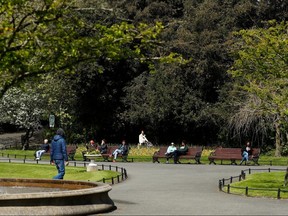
x=225, y=183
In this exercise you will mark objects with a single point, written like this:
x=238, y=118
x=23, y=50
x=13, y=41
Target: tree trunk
x=278, y=140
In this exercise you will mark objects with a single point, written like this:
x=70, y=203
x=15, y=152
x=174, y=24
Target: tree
x=24, y=109
x=260, y=71
x=42, y=37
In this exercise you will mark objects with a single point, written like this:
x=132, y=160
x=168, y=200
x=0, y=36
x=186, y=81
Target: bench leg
x=212, y=161
x=197, y=160
x=255, y=160
x=105, y=158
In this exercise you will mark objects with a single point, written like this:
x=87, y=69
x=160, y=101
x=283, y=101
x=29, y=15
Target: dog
x=286, y=178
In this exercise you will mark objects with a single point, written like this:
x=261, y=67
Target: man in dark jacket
x=180, y=151
x=58, y=153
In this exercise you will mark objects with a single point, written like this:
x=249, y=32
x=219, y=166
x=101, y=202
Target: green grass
x=268, y=183
x=13, y=170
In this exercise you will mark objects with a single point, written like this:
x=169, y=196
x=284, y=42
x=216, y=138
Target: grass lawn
x=14, y=170
x=269, y=182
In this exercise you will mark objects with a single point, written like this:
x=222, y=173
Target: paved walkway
x=180, y=189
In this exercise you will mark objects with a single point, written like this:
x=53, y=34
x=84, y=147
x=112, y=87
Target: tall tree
x=261, y=75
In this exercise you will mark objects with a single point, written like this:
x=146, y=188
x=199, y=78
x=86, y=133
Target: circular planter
x=53, y=197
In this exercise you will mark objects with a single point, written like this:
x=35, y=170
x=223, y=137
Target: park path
x=185, y=189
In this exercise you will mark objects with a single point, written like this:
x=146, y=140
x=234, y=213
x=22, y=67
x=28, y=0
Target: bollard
x=228, y=188
x=246, y=191
x=102, y=166
x=118, y=179
x=112, y=180
x=269, y=170
x=116, y=168
x=249, y=170
x=109, y=167
x=223, y=182
x=24, y=161
x=231, y=179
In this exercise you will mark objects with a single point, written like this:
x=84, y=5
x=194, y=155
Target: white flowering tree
x=24, y=109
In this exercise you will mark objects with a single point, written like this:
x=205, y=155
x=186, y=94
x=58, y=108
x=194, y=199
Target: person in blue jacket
x=58, y=153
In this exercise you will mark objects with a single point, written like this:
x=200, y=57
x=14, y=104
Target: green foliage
x=10, y=170
x=261, y=74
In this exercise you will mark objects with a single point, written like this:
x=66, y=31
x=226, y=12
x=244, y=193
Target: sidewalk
x=184, y=189
x=180, y=189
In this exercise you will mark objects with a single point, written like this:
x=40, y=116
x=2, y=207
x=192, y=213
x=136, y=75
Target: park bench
x=232, y=154
x=70, y=149
x=193, y=153
x=110, y=151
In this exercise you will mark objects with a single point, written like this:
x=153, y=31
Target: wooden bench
x=232, y=154
x=70, y=149
x=110, y=151
x=193, y=153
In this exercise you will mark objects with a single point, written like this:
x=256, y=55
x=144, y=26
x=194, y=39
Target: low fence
x=120, y=177
x=225, y=183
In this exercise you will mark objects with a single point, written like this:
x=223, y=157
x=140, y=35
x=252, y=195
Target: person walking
x=58, y=153
x=142, y=139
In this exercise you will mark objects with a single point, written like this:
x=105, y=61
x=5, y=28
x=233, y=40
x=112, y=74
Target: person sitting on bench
x=170, y=151
x=123, y=149
x=181, y=151
x=246, y=152
x=44, y=148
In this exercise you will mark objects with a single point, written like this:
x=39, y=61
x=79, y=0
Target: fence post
x=231, y=179
x=118, y=179
x=243, y=175
x=220, y=185
x=24, y=161
x=228, y=188
x=112, y=180
x=102, y=166
x=109, y=167
x=249, y=170
x=116, y=168
x=223, y=182
x=240, y=177
x=246, y=191
x=278, y=193
x=103, y=180
x=269, y=170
